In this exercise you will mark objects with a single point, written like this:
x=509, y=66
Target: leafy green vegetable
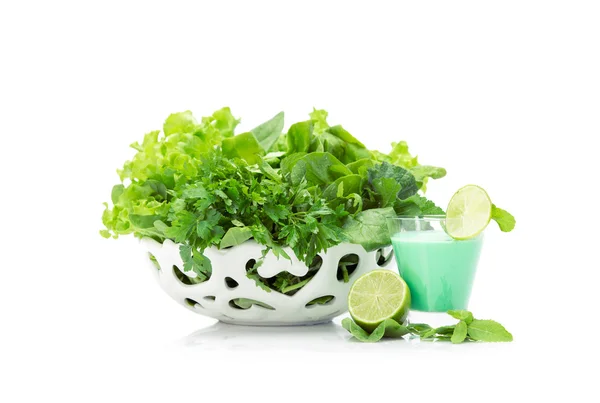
x=200, y=185
x=488, y=330
x=407, y=182
x=318, y=169
x=236, y=236
x=299, y=137
x=462, y=315
x=460, y=332
x=244, y=146
x=267, y=133
x=369, y=228
x=466, y=329
x=505, y=220
x=388, y=328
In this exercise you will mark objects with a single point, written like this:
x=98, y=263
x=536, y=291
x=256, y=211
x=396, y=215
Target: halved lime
x=376, y=296
x=468, y=213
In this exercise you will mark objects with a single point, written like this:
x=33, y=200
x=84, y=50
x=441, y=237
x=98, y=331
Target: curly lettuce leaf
x=244, y=146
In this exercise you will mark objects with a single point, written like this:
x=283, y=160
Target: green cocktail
x=438, y=269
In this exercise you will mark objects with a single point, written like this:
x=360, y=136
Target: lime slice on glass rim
x=376, y=296
x=468, y=213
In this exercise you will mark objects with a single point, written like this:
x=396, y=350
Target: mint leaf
x=418, y=328
x=445, y=330
x=488, y=330
x=428, y=333
x=505, y=220
x=460, y=332
x=267, y=133
x=387, y=328
x=461, y=315
x=235, y=236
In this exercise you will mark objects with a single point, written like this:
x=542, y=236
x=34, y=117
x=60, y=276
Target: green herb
x=201, y=185
x=503, y=218
x=467, y=329
x=460, y=332
x=461, y=315
x=388, y=328
x=488, y=330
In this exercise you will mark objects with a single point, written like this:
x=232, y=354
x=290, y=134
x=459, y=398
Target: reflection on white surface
x=223, y=335
x=328, y=337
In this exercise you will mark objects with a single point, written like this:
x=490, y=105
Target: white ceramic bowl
x=228, y=281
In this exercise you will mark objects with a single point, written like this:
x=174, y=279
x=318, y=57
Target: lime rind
x=469, y=212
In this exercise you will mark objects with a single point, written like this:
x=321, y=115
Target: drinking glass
x=438, y=269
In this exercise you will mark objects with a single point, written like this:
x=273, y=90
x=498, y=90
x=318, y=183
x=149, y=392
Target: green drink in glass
x=438, y=269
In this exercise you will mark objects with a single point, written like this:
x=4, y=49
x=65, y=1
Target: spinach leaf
x=299, y=137
x=369, y=228
x=267, y=133
x=318, y=169
x=344, y=186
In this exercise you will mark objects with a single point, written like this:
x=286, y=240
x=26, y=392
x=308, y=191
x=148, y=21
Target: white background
x=502, y=94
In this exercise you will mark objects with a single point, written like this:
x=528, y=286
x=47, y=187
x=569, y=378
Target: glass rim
x=431, y=217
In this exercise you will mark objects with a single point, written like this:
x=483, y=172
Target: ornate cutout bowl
x=217, y=297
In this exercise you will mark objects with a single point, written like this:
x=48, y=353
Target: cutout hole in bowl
x=182, y=277
x=210, y=298
x=347, y=266
x=191, y=303
x=154, y=261
x=316, y=263
x=246, y=303
x=231, y=283
x=250, y=264
x=324, y=300
x=383, y=256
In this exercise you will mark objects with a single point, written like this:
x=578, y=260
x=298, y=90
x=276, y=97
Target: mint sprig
x=467, y=329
